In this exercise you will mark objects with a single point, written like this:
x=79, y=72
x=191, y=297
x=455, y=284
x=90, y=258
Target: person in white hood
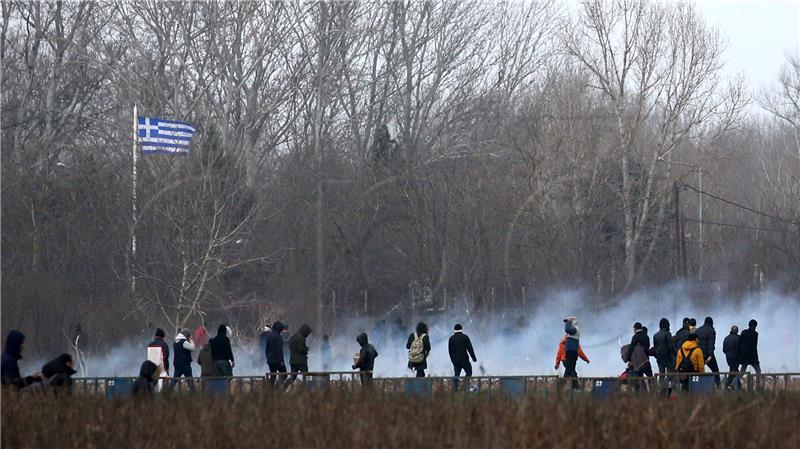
x=182, y=360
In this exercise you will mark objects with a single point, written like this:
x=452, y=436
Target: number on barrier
x=695, y=378
x=598, y=383
x=110, y=383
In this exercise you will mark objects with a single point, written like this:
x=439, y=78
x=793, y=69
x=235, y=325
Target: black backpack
x=686, y=365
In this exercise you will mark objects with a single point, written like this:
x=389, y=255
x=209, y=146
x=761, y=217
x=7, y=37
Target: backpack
x=416, y=353
x=686, y=365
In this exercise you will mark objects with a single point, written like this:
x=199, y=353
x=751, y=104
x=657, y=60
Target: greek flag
x=159, y=136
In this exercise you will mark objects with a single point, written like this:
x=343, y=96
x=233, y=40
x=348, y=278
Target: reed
x=357, y=420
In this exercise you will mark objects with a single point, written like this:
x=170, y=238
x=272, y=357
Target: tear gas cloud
x=506, y=344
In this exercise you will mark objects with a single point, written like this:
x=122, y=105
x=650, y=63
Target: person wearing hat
x=460, y=348
x=569, y=349
x=182, y=359
x=158, y=353
x=637, y=351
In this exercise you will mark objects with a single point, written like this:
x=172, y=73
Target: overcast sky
x=759, y=33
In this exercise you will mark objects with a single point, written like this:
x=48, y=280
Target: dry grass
x=352, y=420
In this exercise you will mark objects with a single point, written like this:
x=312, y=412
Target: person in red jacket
x=569, y=350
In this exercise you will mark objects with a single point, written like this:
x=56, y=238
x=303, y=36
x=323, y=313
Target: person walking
x=182, y=358
x=9, y=363
x=664, y=353
x=419, y=346
x=158, y=353
x=262, y=339
x=748, y=351
x=689, y=360
x=206, y=362
x=569, y=350
x=366, y=359
x=730, y=347
x=298, y=352
x=706, y=339
x=460, y=348
x=680, y=336
x=326, y=353
x=275, y=359
x=221, y=352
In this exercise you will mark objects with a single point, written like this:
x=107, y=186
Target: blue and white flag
x=159, y=136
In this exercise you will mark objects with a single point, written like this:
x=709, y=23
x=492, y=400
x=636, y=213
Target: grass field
x=356, y=420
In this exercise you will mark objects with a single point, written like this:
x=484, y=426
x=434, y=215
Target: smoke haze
x=506, y=344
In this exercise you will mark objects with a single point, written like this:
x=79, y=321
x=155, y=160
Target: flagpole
x=133, y=204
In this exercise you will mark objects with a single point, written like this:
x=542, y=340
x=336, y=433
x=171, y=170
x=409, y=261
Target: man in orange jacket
x=569, y=349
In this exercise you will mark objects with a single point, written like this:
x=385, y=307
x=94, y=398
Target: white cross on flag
x=159, y=136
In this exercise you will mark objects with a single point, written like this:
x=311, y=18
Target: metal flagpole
x=133, y=216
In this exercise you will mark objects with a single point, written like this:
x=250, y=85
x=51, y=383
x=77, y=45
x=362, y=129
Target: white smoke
x=529, y=348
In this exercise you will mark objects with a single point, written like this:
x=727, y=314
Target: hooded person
x=158, y=353
x=206, y=362
x=221, y=352
x=182, y=358
x=706, y=339
x=262, y=339
x=662, y=343
x=9, y=365
x=366, y=359
x=748, y=350
x=274, y=350
x=145, y=385
x=58, y=372
x=680, y=336
x=689, y=360
x=569, y=350
x=419, y=346
x=460, y=348
x=298, y=352
x=730, y=347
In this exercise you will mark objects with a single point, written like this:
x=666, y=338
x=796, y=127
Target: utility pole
x=319, y=254
x=679, y=248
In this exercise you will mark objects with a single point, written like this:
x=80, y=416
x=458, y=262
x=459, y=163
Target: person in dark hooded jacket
x=680, y=336
x=748, y=350
x=274, y=350
x=366, y=359
x=298, y=352
x=9, y=366
x=145, y=385
x=58, y=373
x=221, y=352
x=662, y=342
x=419, y=346
x=706, y=339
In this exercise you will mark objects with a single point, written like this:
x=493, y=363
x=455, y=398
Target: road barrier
x=508, y=386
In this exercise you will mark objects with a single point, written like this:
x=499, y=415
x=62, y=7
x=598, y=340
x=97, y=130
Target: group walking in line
x=689, y=351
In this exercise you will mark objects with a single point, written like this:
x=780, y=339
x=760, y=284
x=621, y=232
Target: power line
x=775, y=217
x=731, y=225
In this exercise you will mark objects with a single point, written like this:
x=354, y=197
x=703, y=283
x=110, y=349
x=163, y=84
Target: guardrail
x=512, y=386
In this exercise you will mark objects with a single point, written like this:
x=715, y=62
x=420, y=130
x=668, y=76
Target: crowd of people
x=690, y=350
